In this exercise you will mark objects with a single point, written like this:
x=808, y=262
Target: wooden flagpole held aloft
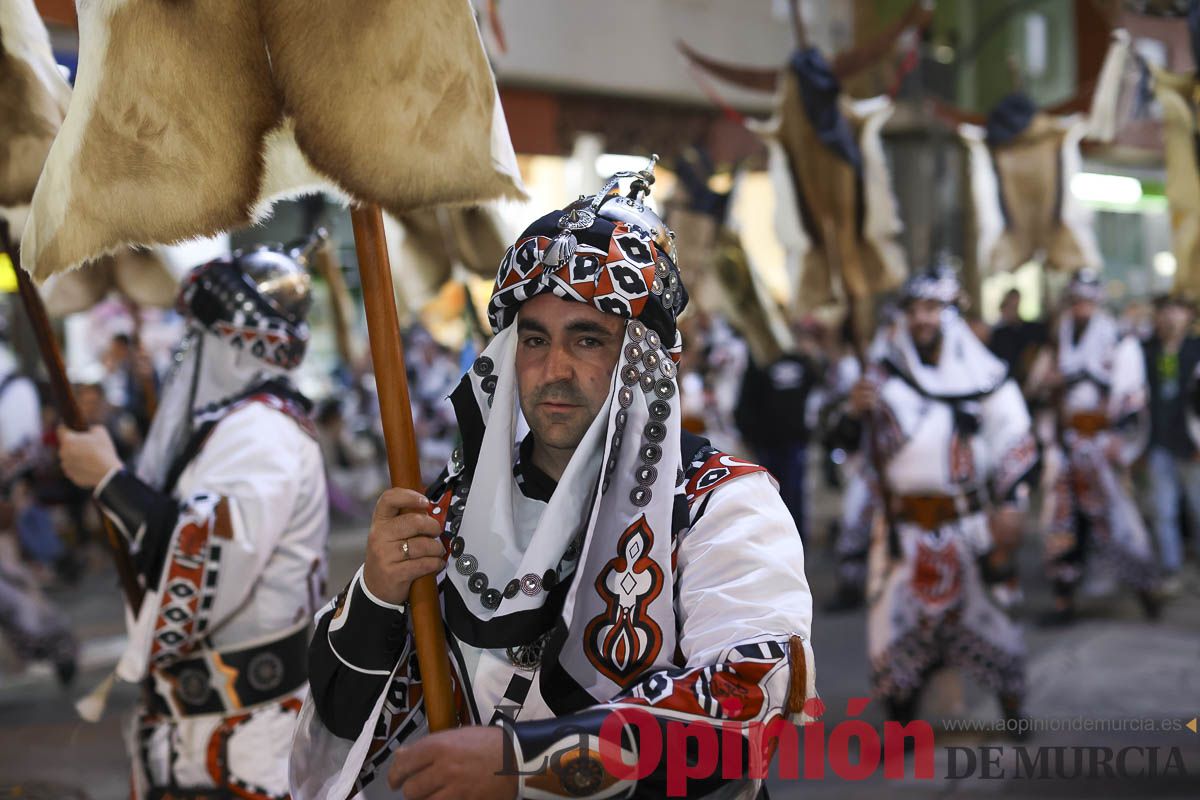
x=383, y=329
x=68, y=408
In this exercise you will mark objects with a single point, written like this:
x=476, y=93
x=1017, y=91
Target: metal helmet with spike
x=256, y=300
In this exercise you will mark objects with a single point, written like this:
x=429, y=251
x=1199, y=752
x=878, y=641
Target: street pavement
x=1111, y=675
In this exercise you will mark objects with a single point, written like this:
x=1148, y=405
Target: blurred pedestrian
x=1172, y=459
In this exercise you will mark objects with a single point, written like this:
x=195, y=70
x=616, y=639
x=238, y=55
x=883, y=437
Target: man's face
x=1082, y=310
x=1173, y=321
x=566, y=354
x=925, y=322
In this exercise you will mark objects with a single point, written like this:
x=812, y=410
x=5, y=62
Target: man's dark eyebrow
x=531, y=325
x=587, y=326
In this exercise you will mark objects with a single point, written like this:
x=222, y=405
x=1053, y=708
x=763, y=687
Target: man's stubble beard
x=558, y=392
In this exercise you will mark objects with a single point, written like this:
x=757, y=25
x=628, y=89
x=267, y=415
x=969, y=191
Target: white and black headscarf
x=246, y=330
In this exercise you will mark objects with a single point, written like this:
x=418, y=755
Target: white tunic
x=266, y=578
x=739, y=575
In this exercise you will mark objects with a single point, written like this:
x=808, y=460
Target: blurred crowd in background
x=773, y=413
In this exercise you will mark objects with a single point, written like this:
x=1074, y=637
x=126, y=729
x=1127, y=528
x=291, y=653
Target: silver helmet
x=609, y=204
x=1086, y=285
x=279, y=280
x=256, y=300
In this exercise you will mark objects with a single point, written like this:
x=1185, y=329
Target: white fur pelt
x=1103, y=117
x=985, y=195
x=191, y=118
x=882, y=225
x=1065, y=242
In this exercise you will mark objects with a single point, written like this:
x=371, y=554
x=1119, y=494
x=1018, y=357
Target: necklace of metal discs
x=478, y=582
x=527, y=656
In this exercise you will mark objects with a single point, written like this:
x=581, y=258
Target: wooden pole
x=68, y=408
x=797, y=24
x=383, y=329
x=325, y=257
x=859, y=320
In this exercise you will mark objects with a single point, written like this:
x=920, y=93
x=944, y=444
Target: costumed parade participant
x=605, y=563
x=953, y=438
x=1103, y=425
x=226, y=520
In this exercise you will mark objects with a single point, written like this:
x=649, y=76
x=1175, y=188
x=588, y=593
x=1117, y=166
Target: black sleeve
x=844, y=432
x=146, y=518
x=351, y=657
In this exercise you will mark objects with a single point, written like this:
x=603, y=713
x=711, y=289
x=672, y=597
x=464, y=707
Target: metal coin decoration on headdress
x=563, y=248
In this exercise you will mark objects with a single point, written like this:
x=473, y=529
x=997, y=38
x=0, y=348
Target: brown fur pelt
x=190, y=118
x=722, y=281
x=33, y=100
x=834, y=250
x=1022, y=199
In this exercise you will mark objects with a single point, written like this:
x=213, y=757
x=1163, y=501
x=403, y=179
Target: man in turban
x=604, y=564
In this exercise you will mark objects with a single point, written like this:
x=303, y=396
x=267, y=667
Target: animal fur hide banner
x=835, y=211
x=721, y=279
x=141, y=276
x=1022, y=199
x=1176, y=94
x=33, y=102
x=1020, y=167
x=191, y=118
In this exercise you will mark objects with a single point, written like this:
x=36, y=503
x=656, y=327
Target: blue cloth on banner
x=819, y=90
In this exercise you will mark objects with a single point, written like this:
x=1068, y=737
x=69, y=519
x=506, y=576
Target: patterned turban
x=610, y=252
x=939, y=283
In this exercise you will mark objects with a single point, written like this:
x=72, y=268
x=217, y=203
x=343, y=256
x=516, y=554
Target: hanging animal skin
x=721, y=277
x=835, y=209
x=1178, y=95
x=190, y=118
x=1021, y=162
x=426, y=246
x=1020, y=190
x=33, y=103
x=835, y=212
x=143, y=277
